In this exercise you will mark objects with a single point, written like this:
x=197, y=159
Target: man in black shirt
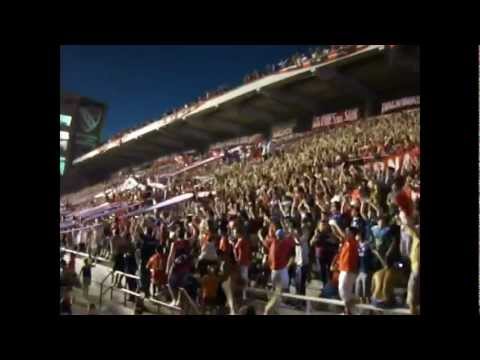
x=131, y=268
x=325, y=248
x=147, y=248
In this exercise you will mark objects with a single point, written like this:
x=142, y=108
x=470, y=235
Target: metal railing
x=309, y=300
x=158, y=303
x=190, y=301
x=126, y=292
x=110, y=274
x=104, y=289
x=96, y=258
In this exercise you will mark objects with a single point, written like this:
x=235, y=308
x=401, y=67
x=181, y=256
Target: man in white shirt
x=208, y=252
x=78, y=238
x=264, y=151
x=302, y=258
x=90, y=241
x=271, y=148
x=405, y=242
x=75, y=238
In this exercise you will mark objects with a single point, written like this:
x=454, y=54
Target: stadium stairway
x=115, y=305
x=113, y=302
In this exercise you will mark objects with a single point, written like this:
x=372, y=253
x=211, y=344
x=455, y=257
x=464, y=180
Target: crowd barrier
x=82, y=254
x=104, y=289
x=309, y=300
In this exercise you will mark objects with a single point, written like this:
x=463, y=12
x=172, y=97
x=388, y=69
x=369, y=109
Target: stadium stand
x=337, y=206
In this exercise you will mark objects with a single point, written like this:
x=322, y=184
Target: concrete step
x=285, y=309
x=315, y=284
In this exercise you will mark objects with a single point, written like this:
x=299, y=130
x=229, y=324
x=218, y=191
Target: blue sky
x=142, y=82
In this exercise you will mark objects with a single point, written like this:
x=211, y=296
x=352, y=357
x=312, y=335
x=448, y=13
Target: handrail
x=310, y=299
x=136, y=277
x=110, y=274
x=96, y=258
x=307, y=299
x=152, y=300
x=190, y=300
x=111, y=288
x=170, y=291
x=84, y=254
x=182, y=290
x=136, y=294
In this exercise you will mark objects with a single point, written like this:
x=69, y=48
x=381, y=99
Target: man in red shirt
x=280, y=252
x=243, y=254
x=402, y=199
x=157, y=264
x=347, y=263
x=225, y=247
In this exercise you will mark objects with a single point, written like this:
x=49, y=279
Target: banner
x=235, y=149
x=105, y=205
x=99, y=195
x=395, y=161
x=179, y=160
x=76, y=230
x=197, y=164
x=400, y=103
x=335, y=118
x=172, y=201
x=332, y=55
x=291, y=67
x=118, y=211
x=203, y=194
x=129, y=184
x=65, y=122
x=88, y=124
x=156, y=185
x=216, y=152
x=101, y=211
x=218, y=147
x=281, y=131
x=306, y=63
x=67, y=224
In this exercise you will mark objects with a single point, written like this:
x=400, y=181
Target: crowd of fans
x=314, y=210
x=296, y=61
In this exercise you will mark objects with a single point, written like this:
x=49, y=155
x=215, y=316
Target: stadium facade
x=362, y=80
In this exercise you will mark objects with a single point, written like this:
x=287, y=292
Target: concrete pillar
x=371, y=107
x=303, y=123
x=267, y=132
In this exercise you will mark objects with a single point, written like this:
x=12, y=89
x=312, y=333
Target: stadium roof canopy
x=375, y=73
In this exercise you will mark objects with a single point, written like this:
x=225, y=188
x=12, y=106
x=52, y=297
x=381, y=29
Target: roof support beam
x=170, y=141
x=129, y=157
x=290, y=100
x=350, y=84
x=404, y=59
x=190, y=126
x=195, y=133
x=256, y=115
x=227, y=125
